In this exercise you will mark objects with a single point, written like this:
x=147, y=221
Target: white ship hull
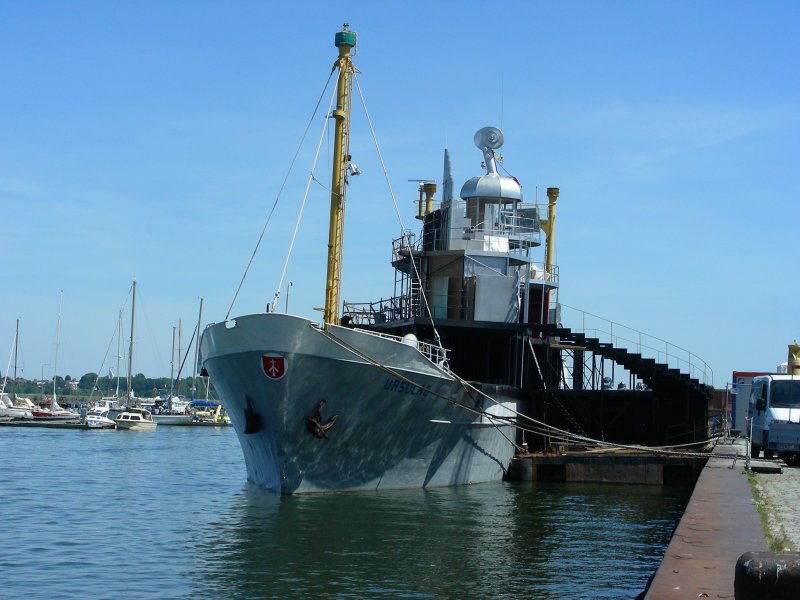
x=136, y=426
x=398, y=425
x=166, y=419
x=59, y=416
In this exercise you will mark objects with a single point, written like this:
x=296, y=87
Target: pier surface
x=720, y=524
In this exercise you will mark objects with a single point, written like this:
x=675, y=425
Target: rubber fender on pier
x=767, y=575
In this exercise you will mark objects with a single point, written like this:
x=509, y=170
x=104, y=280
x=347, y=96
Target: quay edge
x=720, y=524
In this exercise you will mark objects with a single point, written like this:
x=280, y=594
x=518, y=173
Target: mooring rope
x=350, y=348
x=536, y=426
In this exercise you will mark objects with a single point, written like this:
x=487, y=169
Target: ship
x=438, y=384
x=420, y=390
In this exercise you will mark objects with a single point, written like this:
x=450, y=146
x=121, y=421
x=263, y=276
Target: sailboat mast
x=119, y=347
x=196, y=350
x=345, y=40
x=172, y=368
x=180, y=366
x=16, y=345
x=130, y=347
x=55, y=358
x=14, y=384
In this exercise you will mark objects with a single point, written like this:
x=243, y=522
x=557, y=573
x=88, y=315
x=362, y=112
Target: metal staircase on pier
x=657, y=376
x=670, y=408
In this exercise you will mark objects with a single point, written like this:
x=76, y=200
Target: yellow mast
x=345, y=41
x=549, y=227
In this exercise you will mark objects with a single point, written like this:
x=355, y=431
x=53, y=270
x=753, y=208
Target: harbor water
x=168, y=514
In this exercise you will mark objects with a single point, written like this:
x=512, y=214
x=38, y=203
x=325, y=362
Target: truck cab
x=775, y=412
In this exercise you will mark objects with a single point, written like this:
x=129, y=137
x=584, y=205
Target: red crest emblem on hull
x=274, y=365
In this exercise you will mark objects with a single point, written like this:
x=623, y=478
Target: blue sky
x=148, y=141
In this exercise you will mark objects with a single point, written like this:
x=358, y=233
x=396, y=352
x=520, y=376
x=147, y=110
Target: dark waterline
x=108, y=514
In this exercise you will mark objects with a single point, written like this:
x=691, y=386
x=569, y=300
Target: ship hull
x=342, y=409
x=167, y=419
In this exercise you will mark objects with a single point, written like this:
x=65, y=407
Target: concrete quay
x=720, y=524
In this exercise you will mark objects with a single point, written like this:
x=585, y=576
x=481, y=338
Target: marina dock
x=45, y=424
x=79, y=425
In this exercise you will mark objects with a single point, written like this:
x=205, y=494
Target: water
x=117, y=514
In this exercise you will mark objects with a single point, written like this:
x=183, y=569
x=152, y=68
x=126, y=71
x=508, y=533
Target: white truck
x=775, y=412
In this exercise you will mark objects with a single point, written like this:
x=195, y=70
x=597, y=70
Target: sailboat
x=10, y=405
x=173, y=410
x=133, y=419
x=101, y=414
x=417, y=391
x=55, y=412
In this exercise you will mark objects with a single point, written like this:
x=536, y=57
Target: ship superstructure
x=472, y=282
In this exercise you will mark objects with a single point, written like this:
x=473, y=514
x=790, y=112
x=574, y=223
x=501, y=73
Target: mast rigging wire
x=10, y=355
x=396, y=208
x=280, y=191
x=311, y=178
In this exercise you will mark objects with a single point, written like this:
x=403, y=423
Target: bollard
x=767, y=575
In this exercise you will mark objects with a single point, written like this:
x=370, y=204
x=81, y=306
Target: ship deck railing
x=521, y=223
x=510, y=231
x=500, y=230
x=435, y=354
x=409, y=305
x=365, y=314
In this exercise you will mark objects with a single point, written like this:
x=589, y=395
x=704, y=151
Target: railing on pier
x=633, y=340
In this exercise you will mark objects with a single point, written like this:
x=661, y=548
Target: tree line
x=90, y=384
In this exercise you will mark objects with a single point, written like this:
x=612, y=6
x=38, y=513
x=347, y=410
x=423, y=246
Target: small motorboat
x=99, y=417
x=135, y=419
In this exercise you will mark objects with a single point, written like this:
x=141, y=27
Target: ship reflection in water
x=172, y=507
x=544, y=540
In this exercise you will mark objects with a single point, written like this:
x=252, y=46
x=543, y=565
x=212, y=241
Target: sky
x=149, y=141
